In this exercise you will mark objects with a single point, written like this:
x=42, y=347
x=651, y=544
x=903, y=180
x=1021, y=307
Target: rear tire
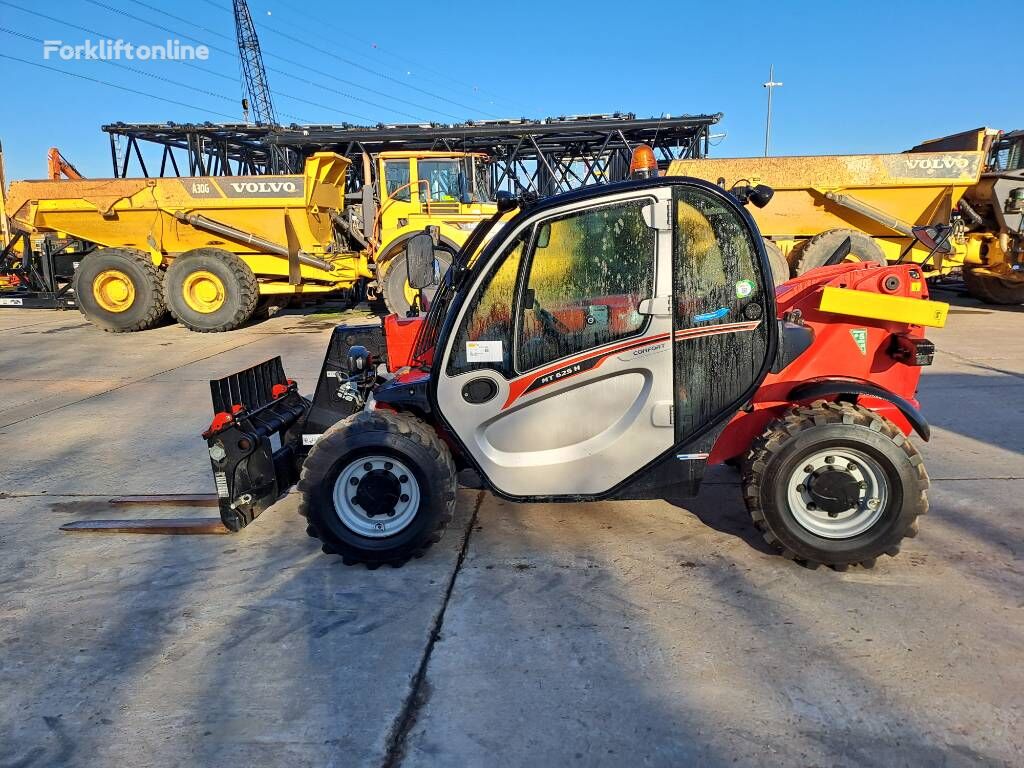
x=372, y=470
x=778, y=263
x=393, y=280
x=209, y=290
x=871, y=459
x=993, y=289
x=816, y=251
x=119, y=290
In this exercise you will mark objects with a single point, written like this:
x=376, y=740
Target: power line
x=193, y=66
x=351, y=63
x=136, y=70
x=333, y=54
x=100, y=34
x=111, y=85
x=278, y=71
x=418, y=64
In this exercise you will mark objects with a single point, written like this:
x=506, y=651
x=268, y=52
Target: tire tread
x=819, y=413
x=324, y=454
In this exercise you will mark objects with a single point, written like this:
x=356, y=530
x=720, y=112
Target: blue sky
x=858, y=77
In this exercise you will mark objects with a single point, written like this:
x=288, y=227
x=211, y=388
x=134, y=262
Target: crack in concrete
x=418, y=691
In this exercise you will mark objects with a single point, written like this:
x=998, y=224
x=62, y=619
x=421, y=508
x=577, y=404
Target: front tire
x=378, y=488
x=209, y=290
x=119, y=290
x=835, y=484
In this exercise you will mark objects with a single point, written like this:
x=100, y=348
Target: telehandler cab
x=605, y=343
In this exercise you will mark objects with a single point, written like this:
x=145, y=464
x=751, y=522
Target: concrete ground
x=627, y=633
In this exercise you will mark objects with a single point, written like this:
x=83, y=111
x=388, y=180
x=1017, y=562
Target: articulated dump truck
x=212, y=250
x=954, y=203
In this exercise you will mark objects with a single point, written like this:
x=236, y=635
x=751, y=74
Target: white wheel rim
x=356, y=514
x=871, y=503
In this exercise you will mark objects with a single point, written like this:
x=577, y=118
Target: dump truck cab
x=606, y=343
x=448, y=190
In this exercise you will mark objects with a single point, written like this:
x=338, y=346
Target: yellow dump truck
x=878, y=201
x=210, y=249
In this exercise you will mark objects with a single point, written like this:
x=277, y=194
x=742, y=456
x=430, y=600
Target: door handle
x=659, y=306
x=479, y=390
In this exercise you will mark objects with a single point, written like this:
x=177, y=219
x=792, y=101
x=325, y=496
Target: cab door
x=565, y=370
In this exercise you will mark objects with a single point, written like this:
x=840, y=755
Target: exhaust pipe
x=240, y=236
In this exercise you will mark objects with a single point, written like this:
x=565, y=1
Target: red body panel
x=835, y=352
x=400, y=336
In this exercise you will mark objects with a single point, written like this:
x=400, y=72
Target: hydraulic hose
x=240, y=236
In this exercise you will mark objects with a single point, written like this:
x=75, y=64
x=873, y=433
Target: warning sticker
x=860, y=337
x=484, y=352
x=310, y=439
x=11, y=302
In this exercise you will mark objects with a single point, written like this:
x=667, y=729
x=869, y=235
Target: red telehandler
x=610, y=342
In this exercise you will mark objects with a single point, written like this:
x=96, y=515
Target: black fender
x=825, y=388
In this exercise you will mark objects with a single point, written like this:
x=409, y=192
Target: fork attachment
x=253, y=439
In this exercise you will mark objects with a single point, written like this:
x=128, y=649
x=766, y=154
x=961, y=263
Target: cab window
x=485, y=338
x=439, y=178
x=721, y=308
x=588, y=272
x=396, y=175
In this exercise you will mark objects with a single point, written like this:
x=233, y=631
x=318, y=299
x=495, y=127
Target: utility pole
x=771, y=85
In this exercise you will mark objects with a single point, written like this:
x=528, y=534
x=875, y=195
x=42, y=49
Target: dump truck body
x=151, y=215
x=883, y=196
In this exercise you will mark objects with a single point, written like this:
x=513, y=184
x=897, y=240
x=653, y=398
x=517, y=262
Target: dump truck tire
x=393, y=279
x=816, y=251
x=209, y=290
x=373, y=470
x=779, y=265
x=870, y=458
x=993, y=289
x=120, y=290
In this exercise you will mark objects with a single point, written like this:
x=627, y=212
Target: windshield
x=446, y=179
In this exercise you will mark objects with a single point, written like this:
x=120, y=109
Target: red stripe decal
x=589, y=361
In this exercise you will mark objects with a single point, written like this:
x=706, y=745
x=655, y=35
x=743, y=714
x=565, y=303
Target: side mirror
x=761, y=195
x=419, y=259
x=544, y=236
x=506, y=200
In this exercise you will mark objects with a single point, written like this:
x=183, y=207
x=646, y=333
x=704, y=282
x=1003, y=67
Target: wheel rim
x=203, y=291
x=376, y=496
x=113, y=290
x=837, y=493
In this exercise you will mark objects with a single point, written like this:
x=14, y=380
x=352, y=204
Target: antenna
x=771, y=85
x=254, y=75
